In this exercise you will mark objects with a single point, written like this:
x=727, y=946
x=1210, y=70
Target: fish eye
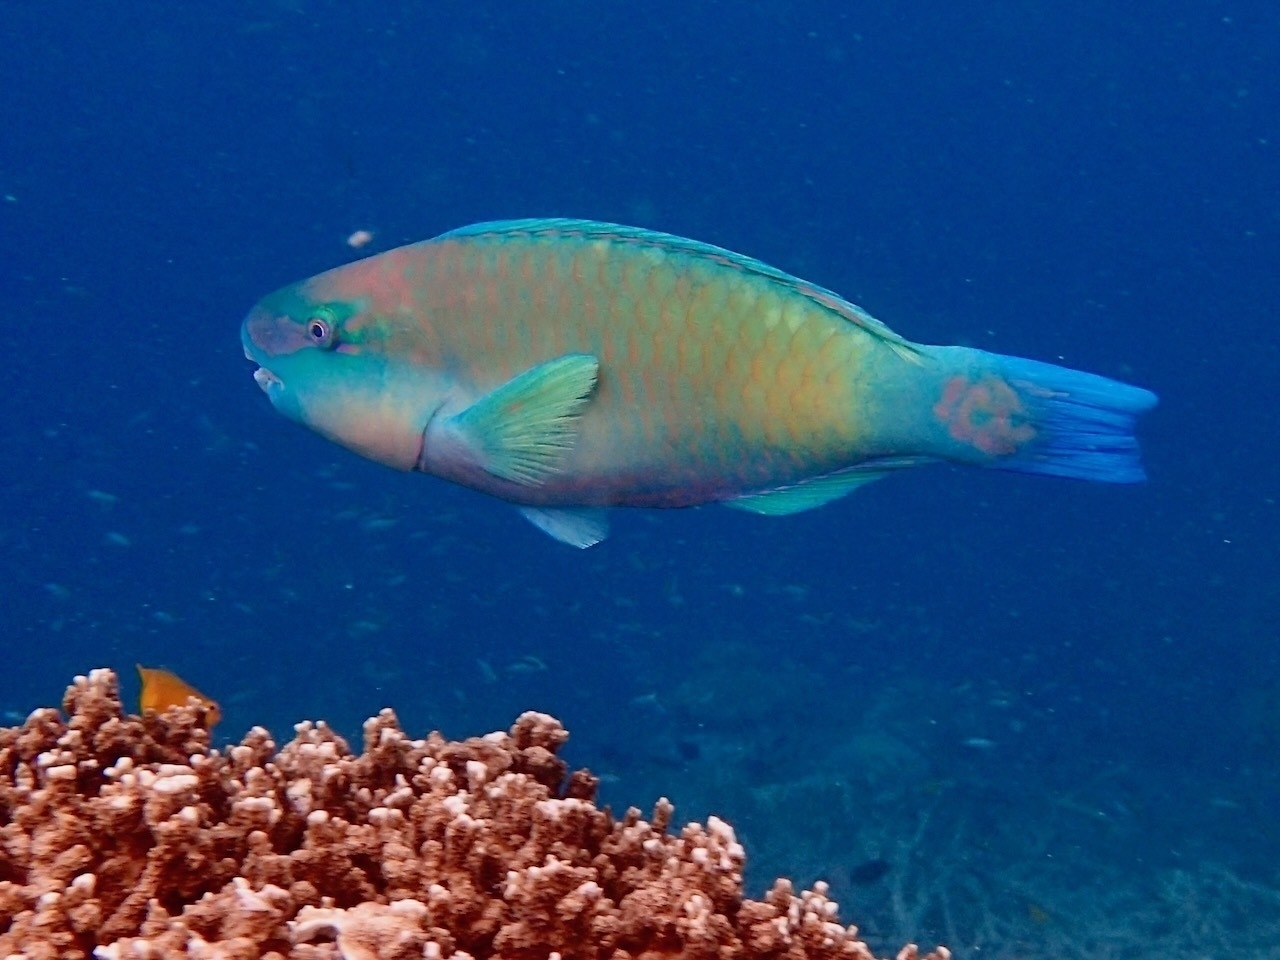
x=320, y=331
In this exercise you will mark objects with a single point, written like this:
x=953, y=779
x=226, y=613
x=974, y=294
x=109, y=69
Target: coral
x=127, y=837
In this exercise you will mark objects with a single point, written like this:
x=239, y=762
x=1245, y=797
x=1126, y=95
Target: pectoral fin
x=522, y=430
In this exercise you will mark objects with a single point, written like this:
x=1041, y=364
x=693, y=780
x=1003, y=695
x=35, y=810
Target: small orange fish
x=162, y=690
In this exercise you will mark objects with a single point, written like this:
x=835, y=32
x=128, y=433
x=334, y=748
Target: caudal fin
x=1014, y=414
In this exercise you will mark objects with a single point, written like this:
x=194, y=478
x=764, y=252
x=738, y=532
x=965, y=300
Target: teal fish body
x=571, y=366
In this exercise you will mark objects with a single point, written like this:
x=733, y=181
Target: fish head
x=326, y=363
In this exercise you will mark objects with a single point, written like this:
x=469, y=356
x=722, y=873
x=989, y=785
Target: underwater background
x=1016, y=715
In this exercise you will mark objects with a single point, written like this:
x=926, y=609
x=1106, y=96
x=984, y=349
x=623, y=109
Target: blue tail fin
x=1083, y=424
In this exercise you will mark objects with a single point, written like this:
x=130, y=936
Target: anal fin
x=817, y=491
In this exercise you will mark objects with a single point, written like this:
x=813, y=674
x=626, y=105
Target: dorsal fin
x=617, y=233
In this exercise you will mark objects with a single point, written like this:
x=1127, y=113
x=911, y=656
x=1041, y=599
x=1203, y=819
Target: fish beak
x=266, y=379
x=262, y=376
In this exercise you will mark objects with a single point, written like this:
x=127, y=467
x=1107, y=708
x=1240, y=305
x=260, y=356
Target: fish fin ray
x=817, y=492
x=1083, y=423
x=597, y=230
x=523, y=429
x=579, y=527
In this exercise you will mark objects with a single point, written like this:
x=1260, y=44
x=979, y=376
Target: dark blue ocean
x=1018, y=715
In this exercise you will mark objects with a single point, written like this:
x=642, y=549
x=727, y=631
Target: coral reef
x=126, y=837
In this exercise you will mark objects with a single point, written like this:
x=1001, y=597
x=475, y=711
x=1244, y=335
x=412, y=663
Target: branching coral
x=127, y=837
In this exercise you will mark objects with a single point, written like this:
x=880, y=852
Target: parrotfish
x=570, y=366
x=162, y=689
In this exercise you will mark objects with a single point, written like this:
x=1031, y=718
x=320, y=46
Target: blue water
x=1053, y=709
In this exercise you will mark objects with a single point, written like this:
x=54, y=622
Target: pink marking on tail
x=987, y=414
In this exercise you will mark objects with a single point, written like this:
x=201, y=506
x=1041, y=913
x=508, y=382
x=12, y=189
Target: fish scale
x=761, y=386
x=571, y=364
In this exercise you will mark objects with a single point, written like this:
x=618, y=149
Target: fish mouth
x=262, y=376
x=266, y=379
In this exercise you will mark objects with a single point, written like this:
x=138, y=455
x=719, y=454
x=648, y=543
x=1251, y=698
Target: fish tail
x=1009, y=413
